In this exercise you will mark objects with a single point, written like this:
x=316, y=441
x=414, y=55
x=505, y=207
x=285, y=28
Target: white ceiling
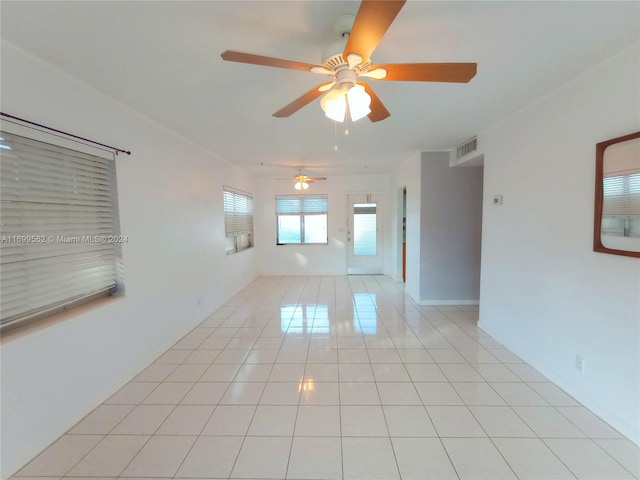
x=163, y=60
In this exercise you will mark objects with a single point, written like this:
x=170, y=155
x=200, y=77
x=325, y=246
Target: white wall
x=407, y=175
x=450, y=233
x=328, y=259
x=176, y=272
x=544, y=293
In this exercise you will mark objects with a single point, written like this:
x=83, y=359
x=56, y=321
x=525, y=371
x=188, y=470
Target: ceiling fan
x=351, y=62
x=302, y=181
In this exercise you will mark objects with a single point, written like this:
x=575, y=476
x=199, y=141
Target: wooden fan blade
x=378, y=110
x=429, y=72
x=317, y=178
x=372, y=21
x=300, y=102
x=232, y=56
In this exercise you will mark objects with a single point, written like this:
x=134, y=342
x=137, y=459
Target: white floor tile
x=530, y=459
x=493, y=372
x=132, y=393
x=206, y=393
x=547, y=422
x=143, y=420
x=363, y=421
x=186, y=420
x=368, y=458
x=455, y=422
x=60, y=456
x=425, y=373
x=168, y=393
x=160, y=457
x=526, y=372
x=359, y=393
x=102, y=420
x=263, y=457
x=477, y=394
x=110, y=456
x=243, y=393
x=554, y=395
x=398, y=394
x=273, y=420
x=320, y=393
x=408, y=421
x=281, y=393
x=624, y=452
x=589, y=423
x=315, y=458
x=318, y=421
x=460, y=372
x=477, y=459
x=320, y=372
x=229, y=420
x=211, y=457
x=423, y=459
x=587, y=460
x=518, y=394
x=438, y=393
x=253, y=372
x=390, y=372
x=355, y=372
x=292, y=372
x=501, y=422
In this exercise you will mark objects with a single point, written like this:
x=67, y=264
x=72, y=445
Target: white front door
x=364, y=234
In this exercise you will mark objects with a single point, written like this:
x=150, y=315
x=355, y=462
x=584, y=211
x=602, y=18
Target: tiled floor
x=338, y=378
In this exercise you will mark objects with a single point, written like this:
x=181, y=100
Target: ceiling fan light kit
x=348, y=59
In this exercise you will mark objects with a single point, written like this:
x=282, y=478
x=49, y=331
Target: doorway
x=364, y=234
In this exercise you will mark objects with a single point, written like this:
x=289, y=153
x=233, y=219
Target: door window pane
x=364, y=229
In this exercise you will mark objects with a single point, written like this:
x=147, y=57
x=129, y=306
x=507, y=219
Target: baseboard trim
x=448, y=302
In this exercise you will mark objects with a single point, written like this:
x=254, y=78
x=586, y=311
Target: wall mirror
x=616, y=226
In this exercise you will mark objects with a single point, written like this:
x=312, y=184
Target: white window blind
x=238, y=220
x=301, y=205
x=60, y=231
x=301, y=219
x=621, y=196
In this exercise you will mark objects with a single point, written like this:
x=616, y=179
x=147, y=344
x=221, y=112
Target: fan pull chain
x=335, y=136
x=347, y=114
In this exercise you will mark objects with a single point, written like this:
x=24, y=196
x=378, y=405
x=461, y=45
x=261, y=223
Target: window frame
x=302, y=213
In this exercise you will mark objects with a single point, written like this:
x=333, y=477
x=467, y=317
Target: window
x=302, y=219
x=61, y=242
x=238, y=220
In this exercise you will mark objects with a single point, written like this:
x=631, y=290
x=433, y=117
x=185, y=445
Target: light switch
x=497, y=200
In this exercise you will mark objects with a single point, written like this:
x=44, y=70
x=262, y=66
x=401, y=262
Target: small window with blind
x=61, y=242
x=301, y=219
x=238, y=220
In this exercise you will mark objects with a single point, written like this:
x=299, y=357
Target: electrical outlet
x=579, y=363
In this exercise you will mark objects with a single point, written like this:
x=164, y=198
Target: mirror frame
x=599, y=197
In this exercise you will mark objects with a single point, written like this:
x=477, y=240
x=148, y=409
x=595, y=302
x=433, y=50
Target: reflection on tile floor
x=338, y=378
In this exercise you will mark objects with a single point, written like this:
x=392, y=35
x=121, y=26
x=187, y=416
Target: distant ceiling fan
x=302, y=181
x=344, y=93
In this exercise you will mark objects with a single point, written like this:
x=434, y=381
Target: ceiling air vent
x=467, y=147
